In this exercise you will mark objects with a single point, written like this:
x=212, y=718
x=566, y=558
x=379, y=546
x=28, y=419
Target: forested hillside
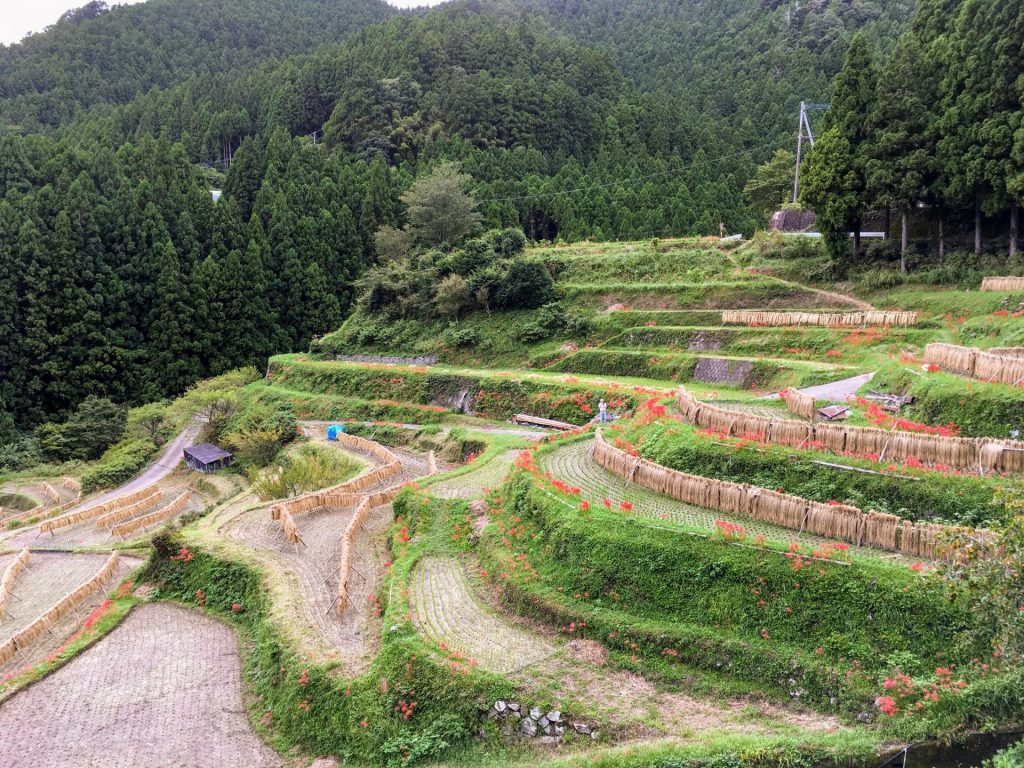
x=588, y=120
x=97, y=56
x=933, y=131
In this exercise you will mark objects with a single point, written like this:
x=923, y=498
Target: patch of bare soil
x=631, y=707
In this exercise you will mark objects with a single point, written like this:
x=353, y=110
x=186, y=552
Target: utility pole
x=803, y=125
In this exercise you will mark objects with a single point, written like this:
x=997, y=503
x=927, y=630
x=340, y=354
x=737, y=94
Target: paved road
x=839, y=391
x=169, y=459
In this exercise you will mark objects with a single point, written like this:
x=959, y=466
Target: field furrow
x=446, y=611
x=573, y=464
x=308, y=570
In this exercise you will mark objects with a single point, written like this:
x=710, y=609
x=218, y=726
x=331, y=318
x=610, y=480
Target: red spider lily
x=584, y=505
x=626, y=505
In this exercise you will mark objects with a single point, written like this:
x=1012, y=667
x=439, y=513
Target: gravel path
x=163, y=689
x=170, y=458
x=446, y=611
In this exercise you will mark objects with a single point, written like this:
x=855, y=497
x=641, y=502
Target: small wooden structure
x=537, y=421
x=207, y=457
x=834, y=412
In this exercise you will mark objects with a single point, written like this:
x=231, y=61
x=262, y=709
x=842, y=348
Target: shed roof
x=206, y=453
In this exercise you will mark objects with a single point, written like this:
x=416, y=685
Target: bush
x=527, y=285
x=310, y=468
x=119, y=464
x=19, y=455
x=507, y=242
x=95, y=425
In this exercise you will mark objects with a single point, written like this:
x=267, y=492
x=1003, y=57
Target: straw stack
x=432, y=464
x=802, y=405
x=1004, y=365
x=158, y=516
x=834, y=521
x=132, y=510
x=98, y=510
x=17, y=565
x=1002, y=284
x=341, y=495
x=51, y=493
x=964, y=453
x=49, y=619
x=755, y=317
x=72, y=485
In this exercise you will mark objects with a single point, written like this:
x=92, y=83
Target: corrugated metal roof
x=206, y=453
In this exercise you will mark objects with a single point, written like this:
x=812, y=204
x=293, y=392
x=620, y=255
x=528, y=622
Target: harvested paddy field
x=447, y=612
x=163, y=689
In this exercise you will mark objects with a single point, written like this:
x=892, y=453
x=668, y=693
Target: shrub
x=95, y=425
x=310, y=468
x=118, y=464
x=527, y=285
x=507, y=242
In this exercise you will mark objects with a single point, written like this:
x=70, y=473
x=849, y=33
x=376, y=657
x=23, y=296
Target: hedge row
x=120, y=463
x=341, y=408
x=961, y=499
x=493, y=396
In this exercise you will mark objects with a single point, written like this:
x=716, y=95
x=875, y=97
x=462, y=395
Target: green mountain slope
x=94, y=55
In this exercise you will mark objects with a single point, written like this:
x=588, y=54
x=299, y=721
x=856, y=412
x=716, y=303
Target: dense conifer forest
x=592, y=119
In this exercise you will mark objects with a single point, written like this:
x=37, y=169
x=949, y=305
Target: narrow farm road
x=840, y=391
x=158, y=470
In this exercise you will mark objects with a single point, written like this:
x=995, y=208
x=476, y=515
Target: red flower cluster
x=731, y=531
x=880, y=418
x=184, y=555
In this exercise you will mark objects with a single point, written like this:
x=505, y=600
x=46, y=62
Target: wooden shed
x=207, y=457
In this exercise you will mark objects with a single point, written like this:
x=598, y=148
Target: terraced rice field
x=49, y=577
x=446, y=611
x=86, y=534
x=163, y=689
x=471, y=484
x=309, y=570
x=573, y=464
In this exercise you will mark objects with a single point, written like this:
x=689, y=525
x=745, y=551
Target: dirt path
x=163, y=689
x=840, y=298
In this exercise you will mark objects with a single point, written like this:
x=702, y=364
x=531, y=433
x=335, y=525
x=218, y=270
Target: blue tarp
x=334, y=430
